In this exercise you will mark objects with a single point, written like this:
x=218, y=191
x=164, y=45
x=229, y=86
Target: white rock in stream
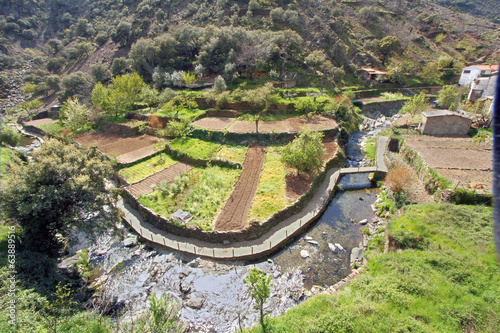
x=313, y=242
x=332, y=247
x=304, y=254
x=363, y=221
x=308, y=238
x=339, y=246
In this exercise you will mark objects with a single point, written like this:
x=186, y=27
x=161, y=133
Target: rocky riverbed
x=212, y=294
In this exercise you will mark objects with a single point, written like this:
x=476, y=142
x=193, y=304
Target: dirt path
x=169, y=174
x=234, y=215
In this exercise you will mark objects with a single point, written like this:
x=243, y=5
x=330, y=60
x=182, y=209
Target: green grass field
x=195, y=147
x=270, y=196
x=233, y=153
x=443, y=277
x=147, y=167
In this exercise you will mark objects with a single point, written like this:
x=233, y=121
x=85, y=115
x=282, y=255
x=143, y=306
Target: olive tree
x=305, y=152
x=61, y=188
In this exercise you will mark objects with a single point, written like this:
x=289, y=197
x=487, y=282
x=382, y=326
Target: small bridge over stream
x=277, y=237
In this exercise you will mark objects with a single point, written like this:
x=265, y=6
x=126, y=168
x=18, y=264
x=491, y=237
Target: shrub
x=305, y=152
x=219, y=84
x=9, y=135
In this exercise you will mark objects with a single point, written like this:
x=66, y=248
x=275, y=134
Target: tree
x=388, y=46
x=219, y=84
x=120, y=66
x=126, y=90
x=305, y=152
x=76, y=82
x=53, y=82
x=63, y=187
x=74, y=114
x=189, y=78
x=100, y=72
x=258, y=284
x=447, y=97
x=430, y=73
x=306, y=105
x=416, y=104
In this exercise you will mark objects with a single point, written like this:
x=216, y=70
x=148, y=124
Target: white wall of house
x=468, y=75
x=483, y=87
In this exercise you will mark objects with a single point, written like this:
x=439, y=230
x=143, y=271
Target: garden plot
x=42, y=121
x=290, y=125
x=214, y=123
x=270, y=196
x=125, y=149
x=465, y=163
x=235, y=212
x=146, y=185
x=201, y=192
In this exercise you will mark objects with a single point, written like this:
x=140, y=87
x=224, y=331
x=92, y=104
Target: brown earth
x=42, y=121
x=126, y=149
x=465, y=163
x=290, y=125
x=234, y=215
x=298, y=184
x=213, y=123
x=168, y=174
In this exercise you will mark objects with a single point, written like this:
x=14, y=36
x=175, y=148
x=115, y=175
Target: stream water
x=212, y=294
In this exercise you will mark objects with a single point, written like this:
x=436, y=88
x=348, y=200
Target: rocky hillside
x=319, y=42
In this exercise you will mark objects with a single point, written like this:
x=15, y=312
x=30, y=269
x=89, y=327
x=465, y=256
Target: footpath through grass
x=270, y=196
x=442, y=276
x=147, y=167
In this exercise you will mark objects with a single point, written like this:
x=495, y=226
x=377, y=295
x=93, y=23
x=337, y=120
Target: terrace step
x=169, y=174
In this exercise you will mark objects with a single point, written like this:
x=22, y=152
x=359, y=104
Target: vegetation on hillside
x=441, y=275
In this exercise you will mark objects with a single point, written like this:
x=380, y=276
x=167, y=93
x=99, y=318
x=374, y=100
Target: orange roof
x=487, y=67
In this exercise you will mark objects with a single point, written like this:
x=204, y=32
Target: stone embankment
x=15, y=82
x=276, y=238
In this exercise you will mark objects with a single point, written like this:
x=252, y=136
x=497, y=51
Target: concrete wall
x=446, y=125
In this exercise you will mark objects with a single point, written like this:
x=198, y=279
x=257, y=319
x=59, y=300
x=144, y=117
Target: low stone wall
x=386, y=108
x=36, y=130
x=253, y=231
x=121, y=129
x=206, y=134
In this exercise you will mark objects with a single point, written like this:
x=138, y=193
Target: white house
x=483, y=87
x=474, y=71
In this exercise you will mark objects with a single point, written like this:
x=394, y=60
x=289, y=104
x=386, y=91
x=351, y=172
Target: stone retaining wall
x=253, y=231
x=387, y=108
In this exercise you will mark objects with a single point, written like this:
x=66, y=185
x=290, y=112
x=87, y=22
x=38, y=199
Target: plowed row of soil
x=169, y=174
x=126, y=149
x=234, y=215
x=214, y=123
x=290, y=125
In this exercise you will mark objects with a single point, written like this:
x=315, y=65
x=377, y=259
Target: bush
x=305, y=152
x=9, y=135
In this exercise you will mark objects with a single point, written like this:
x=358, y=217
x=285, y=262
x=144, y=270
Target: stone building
x=444, y=123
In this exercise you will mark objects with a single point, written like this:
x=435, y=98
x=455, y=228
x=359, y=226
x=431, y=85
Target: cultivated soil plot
x=290, y=125
x=126, y=149
x=42, y=121
x=456, y=158
x=213, y=123
x=168, y=174
x=234, y=215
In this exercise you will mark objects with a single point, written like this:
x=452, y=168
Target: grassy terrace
x=234, y=153
x=442, y=276
x=195, y=147
x=202, y=192
x=183, y=113
x=147, y=167
x=270, y=197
